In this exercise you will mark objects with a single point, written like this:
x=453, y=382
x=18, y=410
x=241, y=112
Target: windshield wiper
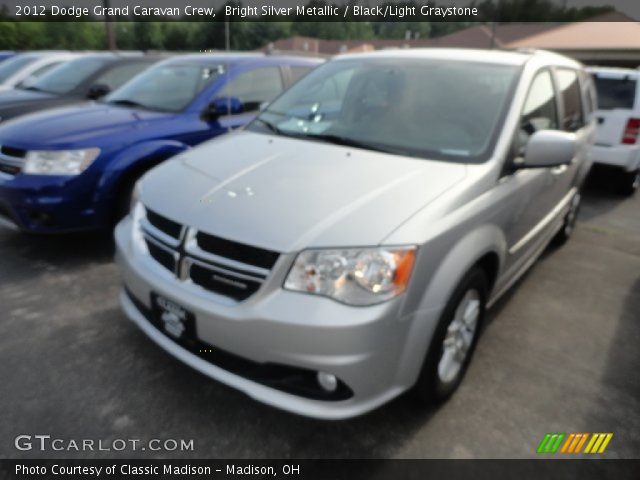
x=127, y=103
x=32, y=89
x=349, y=142
x=270, y=126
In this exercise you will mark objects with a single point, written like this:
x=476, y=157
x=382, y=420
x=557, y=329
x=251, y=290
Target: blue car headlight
x=59, y=162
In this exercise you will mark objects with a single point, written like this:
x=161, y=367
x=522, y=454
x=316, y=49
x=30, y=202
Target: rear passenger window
x=540, y=111
x=569, y=89
x=254, y=87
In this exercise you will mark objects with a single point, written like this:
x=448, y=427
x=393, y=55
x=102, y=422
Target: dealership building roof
x=609, y=39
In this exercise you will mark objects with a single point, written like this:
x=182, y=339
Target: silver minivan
x=343, y=248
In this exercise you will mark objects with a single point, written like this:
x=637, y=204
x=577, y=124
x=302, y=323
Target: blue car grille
x=11, y=160
x=13, y=152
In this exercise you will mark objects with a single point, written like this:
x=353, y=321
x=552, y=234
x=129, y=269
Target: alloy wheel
x=460, y=336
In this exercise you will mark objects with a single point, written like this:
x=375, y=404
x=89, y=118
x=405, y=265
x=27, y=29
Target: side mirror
x=223, y=106
x=98, y=90
x=549, y=148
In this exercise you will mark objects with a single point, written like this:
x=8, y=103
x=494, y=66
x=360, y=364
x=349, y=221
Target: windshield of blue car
x=13, y=65
x=168, y=87
x=66, y=77
x=427, y=108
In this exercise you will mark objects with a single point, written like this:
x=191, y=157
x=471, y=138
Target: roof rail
x=528, y=50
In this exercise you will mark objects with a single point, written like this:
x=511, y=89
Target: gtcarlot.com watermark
x=47, y=443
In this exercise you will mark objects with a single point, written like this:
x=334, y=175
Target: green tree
x=125, y=37
x=74, y=35
x=8, y=36
x=257, y=34
x=334, y=30
x=30, y=35
x=147, y=35
x=177, y=35
x=402, y=29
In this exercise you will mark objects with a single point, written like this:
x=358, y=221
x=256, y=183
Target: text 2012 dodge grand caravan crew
x=343, y=248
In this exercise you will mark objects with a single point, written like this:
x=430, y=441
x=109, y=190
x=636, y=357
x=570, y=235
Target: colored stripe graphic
x=550, y=443
x=598, y=442
x=573, y=443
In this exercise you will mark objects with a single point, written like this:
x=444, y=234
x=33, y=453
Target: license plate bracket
x=173, y=319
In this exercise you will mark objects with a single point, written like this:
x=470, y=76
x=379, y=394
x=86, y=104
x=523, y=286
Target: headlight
x=355, y=276
x=59, y=162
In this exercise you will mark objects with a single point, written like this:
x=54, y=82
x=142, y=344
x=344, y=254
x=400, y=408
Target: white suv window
x=615, y=92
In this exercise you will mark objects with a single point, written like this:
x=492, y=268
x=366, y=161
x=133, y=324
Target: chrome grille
x=231, y=269
x=161, y=253
x=236, y=251
x=165, y=225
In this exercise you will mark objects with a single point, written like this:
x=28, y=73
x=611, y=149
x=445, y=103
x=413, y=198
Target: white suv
x=618, y=114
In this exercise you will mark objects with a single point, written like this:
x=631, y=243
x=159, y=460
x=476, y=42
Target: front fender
x=139, y=158
x=460, y=258
x=444, y=266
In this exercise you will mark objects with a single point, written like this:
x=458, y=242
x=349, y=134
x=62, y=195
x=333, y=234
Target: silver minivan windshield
x=428, y=108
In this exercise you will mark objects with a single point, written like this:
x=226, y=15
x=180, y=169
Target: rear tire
x=629, y=183
x=454, y=340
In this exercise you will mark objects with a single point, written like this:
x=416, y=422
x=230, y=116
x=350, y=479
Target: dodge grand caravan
x=343, y=248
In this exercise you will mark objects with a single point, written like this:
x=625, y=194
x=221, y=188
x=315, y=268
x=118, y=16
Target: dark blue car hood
x=79, y=126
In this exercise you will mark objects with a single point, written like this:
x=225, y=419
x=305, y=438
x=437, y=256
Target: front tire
x=454, y=340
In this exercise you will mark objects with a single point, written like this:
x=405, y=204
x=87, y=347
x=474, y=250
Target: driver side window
x=254, y=87
x=540, y=110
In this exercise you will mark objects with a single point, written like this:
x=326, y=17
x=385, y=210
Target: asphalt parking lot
x=561, y=353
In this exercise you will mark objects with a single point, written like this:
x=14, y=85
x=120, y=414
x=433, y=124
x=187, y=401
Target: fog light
x=327, y=381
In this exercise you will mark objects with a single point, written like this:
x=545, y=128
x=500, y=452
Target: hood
x=10, y=96
x=287, y=194
x=75, y=126
x=15, y=102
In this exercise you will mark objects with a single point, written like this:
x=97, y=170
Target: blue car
x=6, y=54
x=74, y=168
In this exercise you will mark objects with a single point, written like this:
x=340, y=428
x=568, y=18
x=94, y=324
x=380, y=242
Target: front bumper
x=366, y=348
x=41, y=204
x=626, y=157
